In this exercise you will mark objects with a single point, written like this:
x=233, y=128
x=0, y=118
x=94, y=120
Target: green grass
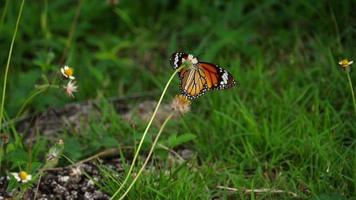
x=289, y=124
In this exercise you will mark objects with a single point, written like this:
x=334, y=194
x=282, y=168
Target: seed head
x=70, y=88
x=180, y=104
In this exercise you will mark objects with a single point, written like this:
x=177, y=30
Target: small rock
x=64, y=179
x=186, y=154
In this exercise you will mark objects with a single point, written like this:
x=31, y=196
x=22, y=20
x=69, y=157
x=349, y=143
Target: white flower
x=192, y=59
x=345, y=62
x=71, y=88
x=22, y=176
x=67, y=72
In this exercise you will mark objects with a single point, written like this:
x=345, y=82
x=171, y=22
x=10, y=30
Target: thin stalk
x=40, y=89
x=38, y=184
x=28, y=100
x=4, y=14
x=145, y=133
x=44, y=22
x=148, y=157
x=8, y=63
x=72, y=30
x=352, y=91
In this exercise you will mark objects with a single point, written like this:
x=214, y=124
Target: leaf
x=36, y=166
x=72, y=149
x=18, y=157
x=13, y=184
x=109, y=141
x=329, y=197
x=174, y=140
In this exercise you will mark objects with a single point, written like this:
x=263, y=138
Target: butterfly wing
x=216, y=77
x=176, y=59
x=192, y=82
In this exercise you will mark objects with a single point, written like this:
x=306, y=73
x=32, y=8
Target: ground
x=285, y=131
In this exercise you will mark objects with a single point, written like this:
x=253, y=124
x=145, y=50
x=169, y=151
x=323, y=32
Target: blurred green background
x=291, y=112
x=125, y=48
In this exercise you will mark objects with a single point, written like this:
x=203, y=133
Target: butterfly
x=198, y=77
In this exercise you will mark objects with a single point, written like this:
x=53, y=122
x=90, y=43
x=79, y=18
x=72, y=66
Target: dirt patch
x=79, y=182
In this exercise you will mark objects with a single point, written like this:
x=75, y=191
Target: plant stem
x=28, y=100
x=40, y=89
x=352, y=91
x=4, y=14
x=71, y=32
x=8, y=63
x=145, y=133
x=148, y=156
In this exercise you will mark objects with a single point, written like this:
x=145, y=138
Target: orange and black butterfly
x=198, y=77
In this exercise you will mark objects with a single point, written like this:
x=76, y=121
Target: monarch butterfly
x=198, y=77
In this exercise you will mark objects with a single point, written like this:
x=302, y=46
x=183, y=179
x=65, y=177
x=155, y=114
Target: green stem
x=72, y=30
x=8, y=63
x=17, y=118
x=148, y=157
x=352, y=91
x=4, y=14
x=28, y=100
x=145, y=133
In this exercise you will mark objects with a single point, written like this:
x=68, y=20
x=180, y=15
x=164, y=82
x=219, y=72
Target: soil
x=68, y=183
x=71, y=182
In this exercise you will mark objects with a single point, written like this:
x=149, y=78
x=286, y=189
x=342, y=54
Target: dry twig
x=261, y=190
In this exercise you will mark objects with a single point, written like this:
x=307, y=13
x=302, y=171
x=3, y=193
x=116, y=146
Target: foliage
x=289, y=124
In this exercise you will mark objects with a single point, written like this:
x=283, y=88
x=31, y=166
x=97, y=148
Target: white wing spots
x=225, y=77
x=176, y=59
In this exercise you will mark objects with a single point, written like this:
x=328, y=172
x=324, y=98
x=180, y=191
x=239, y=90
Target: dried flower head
x=76, y=171
x=53, y=155
x=70, y=88
x=345, y=64
x=180, y=104
x=55, y=151
x=22, y=176
x=60, y=142
x=67, y=72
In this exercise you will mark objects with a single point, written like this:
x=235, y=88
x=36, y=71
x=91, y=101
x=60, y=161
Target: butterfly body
x=198, y=77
